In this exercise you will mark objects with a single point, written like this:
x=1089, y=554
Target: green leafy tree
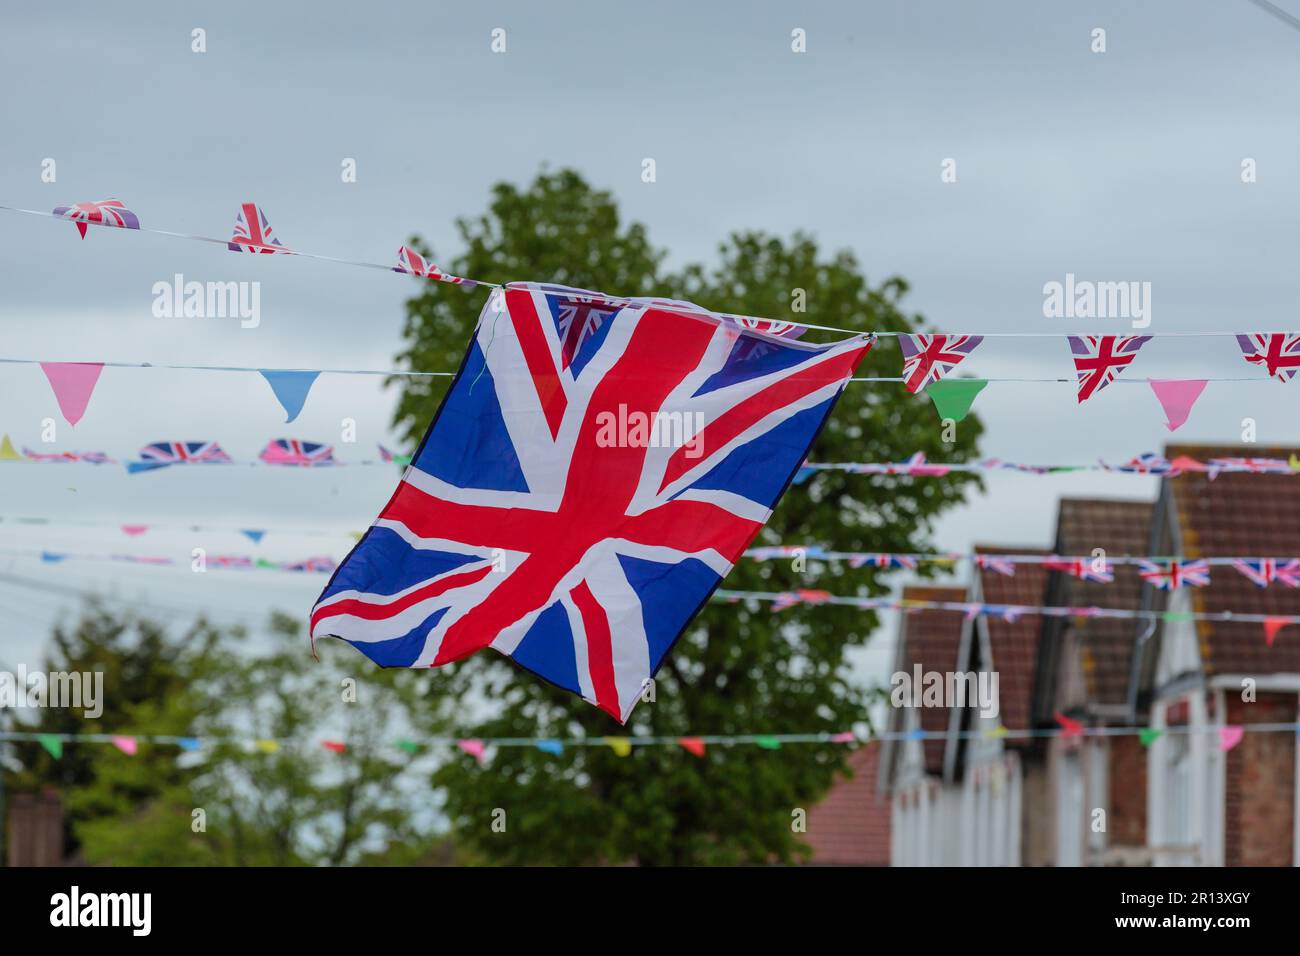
x=739, y=668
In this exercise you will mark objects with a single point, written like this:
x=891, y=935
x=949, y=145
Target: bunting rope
x=1229, y=735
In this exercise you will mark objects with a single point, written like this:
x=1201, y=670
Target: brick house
x=1206, y=806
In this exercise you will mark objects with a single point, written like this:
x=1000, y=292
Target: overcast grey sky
x=1123, y=165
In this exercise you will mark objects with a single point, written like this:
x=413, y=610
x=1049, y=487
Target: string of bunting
x=927, y=357
x=1187, y=572
x=1170, y=576
x=230, y=562
x=1229, y=736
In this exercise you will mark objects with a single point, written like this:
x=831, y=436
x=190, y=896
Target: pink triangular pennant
x=135, y=530
x=72, y=383
x=125, y=744
x=1176, y=397
x=1230, y=736
x=473, y=747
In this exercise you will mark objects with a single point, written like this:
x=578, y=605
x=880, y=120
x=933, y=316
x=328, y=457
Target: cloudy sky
x=1122, y=165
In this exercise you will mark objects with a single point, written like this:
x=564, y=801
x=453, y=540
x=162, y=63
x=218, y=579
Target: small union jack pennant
x=997, y=564
x=928, y=358
x=1263, y=571
x=412, y=263
x=253, y=233
x=1147, y=463
x=1172, y=575
x=1278, y=352
x=163, y=453
x=1099, y=359
x=106, y=212
x=902, y=561
x=1081, y=569
x=92, y=457
x=291, y=451
x=788, y=599
x=578, y=319
x=233, y=561
x=1256, y=466
x=324, y=565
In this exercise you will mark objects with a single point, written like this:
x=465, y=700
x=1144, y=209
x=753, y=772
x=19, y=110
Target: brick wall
x=35, y=833
x=1259, y=791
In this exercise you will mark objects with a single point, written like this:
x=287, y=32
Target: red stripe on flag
x=600, y=649
x=378, y=612
x=537, y=354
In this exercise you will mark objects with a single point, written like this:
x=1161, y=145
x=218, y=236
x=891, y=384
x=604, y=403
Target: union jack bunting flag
x=412, y=263
x=291, y=451
x=928, y=358
x=92, y=457
x=1098, y=359
x=1263, y=571
x=253, y=232
x=323, y=565
x=788, y=599
x=388, y=456
x=1081, y=569
x=1278, y=352
x=1171, y=575
x=901, y=561
x=164, y=453
x=997, y=564
x=106, y=212
x=237, y=561
x=1258, y=466
x=579, y=496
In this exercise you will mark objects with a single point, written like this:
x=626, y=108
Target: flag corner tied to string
x=597, y=467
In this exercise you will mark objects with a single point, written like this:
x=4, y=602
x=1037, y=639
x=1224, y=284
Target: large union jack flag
x=161, y=454
x=1172, y=575
x=1098, y=359
x=106, y=212
x=1278, y=352
x=928, y=358
x=291, y=451
x=575, y=501
x=1264, y=571
x=253, y=232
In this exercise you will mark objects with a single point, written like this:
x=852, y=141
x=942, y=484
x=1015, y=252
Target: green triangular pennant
x=952, y=397
x=53, y=743
x=767, y=743
x=1148, y=735
x=410, y=746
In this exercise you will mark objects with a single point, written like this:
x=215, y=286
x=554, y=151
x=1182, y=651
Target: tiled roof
x=931, y=639
x=1014, y=644
x=1120, y=528
x=1240, y=515
x=850, y=826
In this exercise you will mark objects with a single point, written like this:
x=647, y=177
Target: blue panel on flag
x=401, y=651
x=669, y=594
x=751, y=357
x=547, y=649
x=385, y=564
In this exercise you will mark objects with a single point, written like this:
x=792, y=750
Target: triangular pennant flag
x=767, y=742
x=1149, y=735
x=953, y=397
x=51, y=557
x=267, y=746
x=928, y=358
x=188, y=743
x=336, y=746
x=72, y=383
x=474, y=747
x=844, y=737
x=53, y=743
x=692, y=745
x=1230, y=736
x=253, y=534
x=125, y=744
x=620, y=745
x=253, y=232
x=134, y=530
x=997, y=733
x=290, y=389
x=1099, y=359
x=7, y=450
x=1271, y=626
x=1069, y=726
x=554, y=747
x=410, y=746
x=1176, y=397
x=1278, y=352
x=106, y=212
